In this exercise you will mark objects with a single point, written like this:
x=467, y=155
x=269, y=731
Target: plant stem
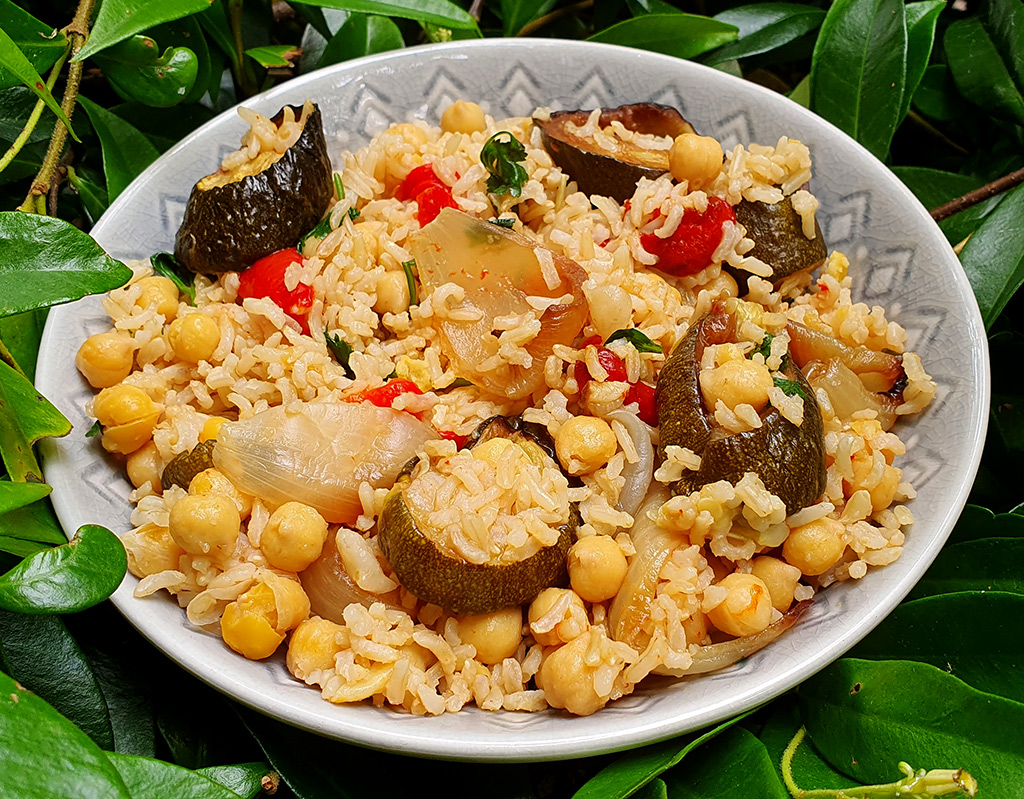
x=33, y=118
x=532, y=27
x=78, y=31
x=1004, y=183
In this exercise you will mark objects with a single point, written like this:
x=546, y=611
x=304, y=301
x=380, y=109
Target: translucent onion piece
x=847, y=392
x=879, y=371
x=320, y=454
x=331, y=590
x=637, y=475
x=630, y=611
x=498, y=269
x=718, y=656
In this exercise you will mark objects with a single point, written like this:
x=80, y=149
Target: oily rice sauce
x=298, y=431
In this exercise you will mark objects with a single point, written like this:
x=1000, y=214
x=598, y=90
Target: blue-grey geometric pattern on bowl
x=899, y=260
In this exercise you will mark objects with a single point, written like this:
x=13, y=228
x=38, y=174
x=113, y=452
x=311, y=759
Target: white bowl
x=900, y=260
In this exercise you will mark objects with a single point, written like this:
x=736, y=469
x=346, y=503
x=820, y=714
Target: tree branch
x=978, y=195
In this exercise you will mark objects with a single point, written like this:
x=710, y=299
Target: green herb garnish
x=640, y=341
x=410, y=278
x=458, y=382
x=766, y=347
x=508, y=224
x=342, y=351
x=95, y=430
x=353, y=214
x=323, y=227
x=790, y=387
x=339, y=187
x=166, y=265
x=500, y=155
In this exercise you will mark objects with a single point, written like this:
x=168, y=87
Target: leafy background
x=88, y=709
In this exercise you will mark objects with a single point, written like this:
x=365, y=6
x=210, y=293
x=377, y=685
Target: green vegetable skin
x=790, y=460
x=777, y=232
x=229, y=227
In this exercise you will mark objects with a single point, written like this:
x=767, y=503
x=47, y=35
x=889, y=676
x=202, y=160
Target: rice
x=500, y=503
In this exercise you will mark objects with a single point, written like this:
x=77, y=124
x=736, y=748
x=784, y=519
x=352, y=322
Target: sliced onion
x=847, y=393
x=330, y=588
x=319, y=454
x=637, y=475
x=879, y=371
x=498, y=270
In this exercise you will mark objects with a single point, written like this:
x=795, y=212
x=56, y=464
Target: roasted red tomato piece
x=690, y=248
x=265, y=278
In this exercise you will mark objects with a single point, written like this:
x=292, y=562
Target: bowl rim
x=400, y=734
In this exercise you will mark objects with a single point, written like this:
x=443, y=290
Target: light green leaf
x=244, y=779
x=922, y=17
x=126, y=150
x=35, y=523
x=137, y=71
x=517, y=13
x=21, y=333
x=859, y=69
x=18, y=495
x=976, y=522
x=272, y=55
x=680, y=35
x=46, y=261
x=362, y=34
x=810, y=770
x=25, y=417
x=733, y=765
x=764, y=27
x=45, y=756
x=93, y=196
x=120, y=19
x=987, y=564
x=979, y=71
x=68, y=578
x=146, y=777
x=801, y=93
x=439, y=12
x=41, y=44
x=1004, y=21
x=15, y=62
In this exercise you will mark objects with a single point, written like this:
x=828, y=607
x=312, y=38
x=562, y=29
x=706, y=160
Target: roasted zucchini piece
x=789, y=459
x=778, y=236
x=606, y=165
x=186, y=465
x=424, y=559
x=236, y=216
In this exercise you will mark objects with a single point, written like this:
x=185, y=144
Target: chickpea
x=584, y=444
x=145, y=466
x=573, y=623
x=160, y=294
x=495, y=636
x=105, y=359
x=567, y=679
x=884, y=493
x=724, y=285
x=493, y=450
x=294, y=536
x=204, y=525
x=211, y=428
x=128, y=416
x=816, y=547
x=392, y=293
x=249, y=625
x=214, y=481
x=780, y=577
x=611, y=309
x=410, y=133
x=735, y=382
x=313, y=647
x=194, y=337
x=151, y=550
x=695, y=159
x=597, y=568
x=463, y=117
x=746, y=610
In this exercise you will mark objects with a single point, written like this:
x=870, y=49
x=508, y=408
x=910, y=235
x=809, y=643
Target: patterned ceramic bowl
x=899, y=260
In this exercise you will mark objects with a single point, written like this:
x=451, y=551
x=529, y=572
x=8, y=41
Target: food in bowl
x=479, y=438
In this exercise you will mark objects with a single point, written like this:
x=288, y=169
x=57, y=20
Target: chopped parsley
x=323, y=227
x=508, y=224
x=790, y=388
x=410, y=278
x=353, y=213
x=342, y=351
x=339, y=187
x=166, y=265
x=766, y=347
x=639, y=340
x=500, y=156
x=95, y=430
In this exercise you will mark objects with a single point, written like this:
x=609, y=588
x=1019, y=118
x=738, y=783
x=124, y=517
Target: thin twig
x=532, y=27
x=476, y=9
x=33, y=118
x=78, y=31
x=934, y=132
x=978, y=195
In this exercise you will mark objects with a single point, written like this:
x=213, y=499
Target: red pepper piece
x=384, y=396
x=416, y=181
x=451, y=435
x=431, y=195
x=689, y=249
x=265, y=279
x=612, y=363
x=643, y=395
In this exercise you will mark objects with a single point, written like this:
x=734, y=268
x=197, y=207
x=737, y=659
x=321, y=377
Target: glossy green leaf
x=866, y=717
x=243, y=779
x=18, y=495
x=633, y=770
x=764, y=27
x=638, y=7
x=40, y=653
x=980, y=72
x=922, y=17
x=1004, y=22
x=361, y=34
x=186, y=32
x=988, y=564
x=21, y=333
x=272, y=55
x=15, y=62
x=25, y=417
x=655, y=789
x=68, y=578
x=40, y=43
x=19, y=547
x=733, y=766
x=937, y=96
x=36, y=523
x=859, y=69
x=46, y=261
x=164, y=127
x=126, y=151
x=680, y=35
x=215, y=22
x=24, y=165
x=119, y=19
x=977, y=636
x=517, y=13
x=439, y=12
x=93, y=196
x=46, y=756
x=994, y=256
x=139, y=72
x=16, y=104
x=801, y=93
x=810, y=770
x=147, y=777
x=934, y=187
x=976, y=522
